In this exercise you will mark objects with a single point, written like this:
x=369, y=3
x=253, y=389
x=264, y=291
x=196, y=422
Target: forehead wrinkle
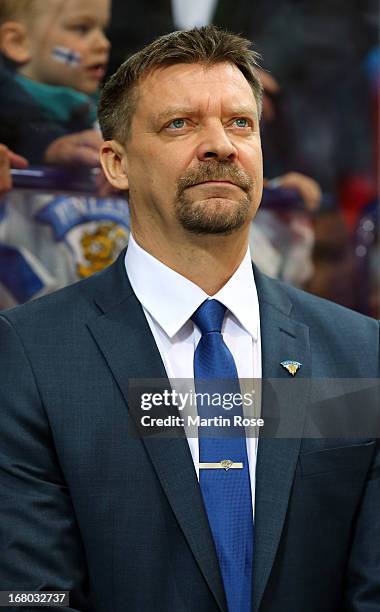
x=201, y=96
x=198, y=72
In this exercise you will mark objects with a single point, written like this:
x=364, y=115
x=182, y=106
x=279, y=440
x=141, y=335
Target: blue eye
x=241, y=122
x=80, y=28
x=177, y=124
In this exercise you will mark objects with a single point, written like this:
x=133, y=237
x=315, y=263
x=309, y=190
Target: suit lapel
x=283, y=405
x=124, y=337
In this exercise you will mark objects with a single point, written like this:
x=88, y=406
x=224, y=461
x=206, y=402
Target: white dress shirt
x=189, y=14
x=169, y=300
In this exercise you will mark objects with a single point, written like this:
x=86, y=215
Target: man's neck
x=207, y=261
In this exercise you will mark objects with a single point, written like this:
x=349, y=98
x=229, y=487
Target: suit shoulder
x=317, y=309
x=79, y=300
x=58, y=304
x=320, y=315
x=76, y=301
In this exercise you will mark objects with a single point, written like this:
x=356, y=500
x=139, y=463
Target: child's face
x=68, y=45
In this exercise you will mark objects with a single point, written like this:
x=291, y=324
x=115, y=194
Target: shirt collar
x=171, y=299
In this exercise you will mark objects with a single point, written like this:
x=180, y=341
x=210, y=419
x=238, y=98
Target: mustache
x=215, y=171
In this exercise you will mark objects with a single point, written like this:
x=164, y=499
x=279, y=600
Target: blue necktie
x=226, y=493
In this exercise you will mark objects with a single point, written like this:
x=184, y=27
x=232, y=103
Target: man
x=144, y=522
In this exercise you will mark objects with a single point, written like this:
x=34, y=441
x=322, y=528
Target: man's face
x=193, y=157
x=77, y=27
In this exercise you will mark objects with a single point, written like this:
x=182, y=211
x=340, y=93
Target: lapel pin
x=291, y=366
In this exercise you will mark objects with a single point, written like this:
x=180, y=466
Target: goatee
x=215, y=218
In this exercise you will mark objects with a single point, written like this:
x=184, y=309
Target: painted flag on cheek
x=63, y=55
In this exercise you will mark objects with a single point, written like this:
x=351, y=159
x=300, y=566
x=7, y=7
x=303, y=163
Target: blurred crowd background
x=318, y=226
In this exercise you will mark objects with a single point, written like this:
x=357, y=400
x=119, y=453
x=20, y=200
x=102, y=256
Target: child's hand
x=307, y=187
x=8, y=159
x=80, y=148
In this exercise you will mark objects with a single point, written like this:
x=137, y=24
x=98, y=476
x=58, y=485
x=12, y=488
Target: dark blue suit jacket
x=119, y=521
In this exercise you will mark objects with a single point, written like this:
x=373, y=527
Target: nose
x=101, y=42
x=215, y=144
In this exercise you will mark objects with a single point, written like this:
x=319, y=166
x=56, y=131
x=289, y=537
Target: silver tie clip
x=225, y=464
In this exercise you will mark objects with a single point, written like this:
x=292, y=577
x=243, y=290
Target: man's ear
x=14, y=42
x=114, y=163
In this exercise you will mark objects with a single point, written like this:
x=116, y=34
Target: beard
x=206, y=218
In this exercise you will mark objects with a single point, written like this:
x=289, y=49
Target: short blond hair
x=16, y=10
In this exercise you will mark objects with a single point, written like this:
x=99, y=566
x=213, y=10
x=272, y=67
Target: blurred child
x=59, y=53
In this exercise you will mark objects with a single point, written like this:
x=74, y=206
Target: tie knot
x=209, y=316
